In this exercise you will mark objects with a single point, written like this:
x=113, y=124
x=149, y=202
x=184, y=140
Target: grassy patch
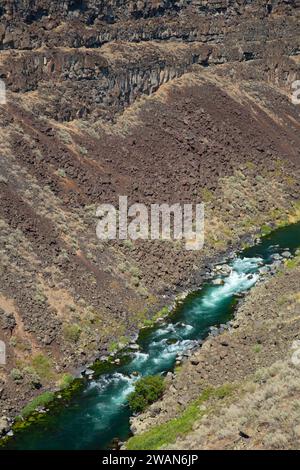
x=295, y=216
x=293, y=263
x=223, y=391
x=265, y=230
x=42, y=366
x=160, y=314
x=65, y=381
x=167, y=433
x=41, y=400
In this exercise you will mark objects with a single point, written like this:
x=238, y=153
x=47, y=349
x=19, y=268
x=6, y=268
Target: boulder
x=4, y=425
x=218, y=282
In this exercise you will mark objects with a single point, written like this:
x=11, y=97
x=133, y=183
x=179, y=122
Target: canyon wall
x=162, y=101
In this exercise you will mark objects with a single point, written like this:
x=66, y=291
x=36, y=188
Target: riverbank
x=101, y=406
x=252, y=364
x=222, y=240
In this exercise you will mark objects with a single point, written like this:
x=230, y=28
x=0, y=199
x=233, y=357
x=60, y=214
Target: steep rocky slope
x=163, y=101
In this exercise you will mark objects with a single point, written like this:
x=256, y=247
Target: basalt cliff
x=162, y=101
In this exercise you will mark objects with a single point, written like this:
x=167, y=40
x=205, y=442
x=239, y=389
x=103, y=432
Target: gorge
x=163, y=101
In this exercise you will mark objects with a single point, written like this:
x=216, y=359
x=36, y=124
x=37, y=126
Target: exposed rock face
x=163, y=101
x=94, y=80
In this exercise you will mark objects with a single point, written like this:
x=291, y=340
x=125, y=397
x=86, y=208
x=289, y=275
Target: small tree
x=147, y=390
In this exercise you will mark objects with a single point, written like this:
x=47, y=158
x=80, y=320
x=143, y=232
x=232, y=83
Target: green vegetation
x=72, y=332
x=122, y=267
x=42, y=366
x=32, y=376
x=295, y=216
x=160, y=314
x=41, y=400
x=39, y=297
x=265, y=230
x=61, y=172
x=113, y=347
x=82, y=150
x=147, y=390
x=178, y=369
x=293, y=263
x=257, y=348
x=223, y=391
x=279, y=217
x=16, y=375
x=135, y=271
x=135, y=281
x=128, y=244
x=65, y=136
x=206, y=195
x=65, y=381
x=167, y=433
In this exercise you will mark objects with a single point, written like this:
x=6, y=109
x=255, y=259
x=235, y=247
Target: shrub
x=32, y=377
x=266, y=230
x=257, y=348
x=206, y=195
x=134, y=271
x=128, y=244
x=122, y=267
x=16, y=375
x=147, y=390
x=13, y=341
x=83, y=150
x=65, y=381
x=61, y=172
x=64, y=136
x=135, y=281
x=72, y=332
x=113, y=347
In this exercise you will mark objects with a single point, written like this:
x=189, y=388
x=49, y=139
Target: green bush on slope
x=147, y=390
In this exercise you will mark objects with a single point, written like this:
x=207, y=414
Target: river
x=99, y=412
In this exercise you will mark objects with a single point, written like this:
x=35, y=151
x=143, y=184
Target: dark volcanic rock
x=163, y=101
